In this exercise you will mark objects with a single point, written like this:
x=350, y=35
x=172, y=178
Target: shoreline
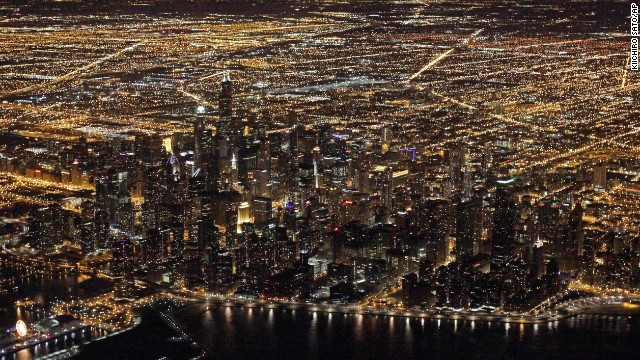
x=60, y=354
x=429, y=314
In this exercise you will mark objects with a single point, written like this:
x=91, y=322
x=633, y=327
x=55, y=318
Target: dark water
x=42, y=289
x=151, y=340
x=240, y=333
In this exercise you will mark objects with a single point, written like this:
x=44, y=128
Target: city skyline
x=472, y=161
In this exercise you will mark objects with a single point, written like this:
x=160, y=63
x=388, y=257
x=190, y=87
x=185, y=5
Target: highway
x=442, y=56
x=71, y=75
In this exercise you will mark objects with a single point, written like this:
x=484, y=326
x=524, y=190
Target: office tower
x=618, y=240
x=101, y=229
x=118, y=199
x=247, y=165
x=425, y=270
x=154, y=194
x=467, y=183
x=549, y=219
x=49, y=226
x=87, y=240
x=380, y=182
x=247, y=239
x=305, y=178
x=226, y=96
x=261, y=207
x=504, y=219
x=600, y=177
x=289, y=215
x=224, y=263
x=153, y=247
x=571, y=239
x=224, y=213
x=193, y=266
x=468, y=227
x=485, y=160
x=122, y=268
x=337, y=174
x=454, y=157
x=151, y=175
x=438, y=228
x=149, y=150
x=75, y=173
x=176, y=250
x=102, y=191
x=262, y=173
x=210, y=255
x=195, y=206
x=204, y=157
x=576, y=226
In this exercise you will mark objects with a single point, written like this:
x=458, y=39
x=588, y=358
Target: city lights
x=470, y=163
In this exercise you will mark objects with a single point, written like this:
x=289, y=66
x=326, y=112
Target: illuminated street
x=275, y=178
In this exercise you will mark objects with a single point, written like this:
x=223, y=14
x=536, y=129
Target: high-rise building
x=468, y=228
x=87, y=241
x=153, y=247
x=122, y=268
x=504, y=219
x=600, y=177
x=113, y=196
x=210, y=256
x=576, y=226
x=226, y=96
x=204, y=160
x=224, y=262
x=454, y=157
x=49, y=226
x=262, y=208
x=548, y=216
x=177, y=246
x=153, y=192
x=197, y=205
x=438, y=228
x=101, y=229
x=425, y=270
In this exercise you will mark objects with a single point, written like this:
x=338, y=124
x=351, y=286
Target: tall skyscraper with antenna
x=226, y=96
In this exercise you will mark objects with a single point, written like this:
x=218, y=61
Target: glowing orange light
x=21, y=328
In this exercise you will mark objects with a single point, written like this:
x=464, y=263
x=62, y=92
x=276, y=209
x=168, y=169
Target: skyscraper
x=204, y=160
x=122, y=268
x=468, y=227
x=101, y=229
x=504, y=221
x=600, y=177
x=49, y=226
x=261, y=207
x=438, y=226
x=196, y=206
x=226, y=95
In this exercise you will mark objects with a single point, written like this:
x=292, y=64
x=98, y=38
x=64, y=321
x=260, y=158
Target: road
x=71, y=75
x=441, y=57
